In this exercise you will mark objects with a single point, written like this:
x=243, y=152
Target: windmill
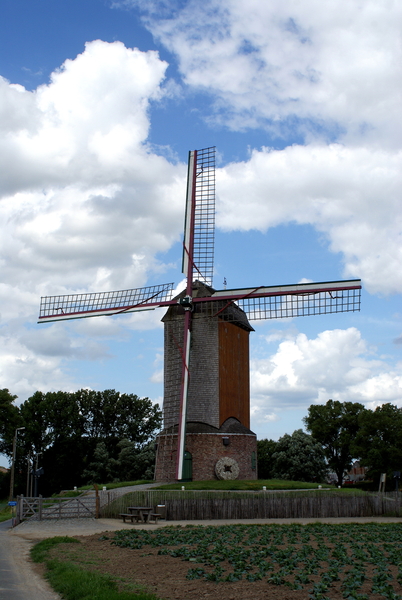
x=200, y=305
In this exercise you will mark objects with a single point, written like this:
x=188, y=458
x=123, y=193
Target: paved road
x=10, y=584
x=18, y=581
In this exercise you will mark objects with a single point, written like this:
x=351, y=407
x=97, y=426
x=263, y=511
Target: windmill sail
x=198, y=262
x=96, y=304
x=287, y=301
x=199, y=224
x=201, y=300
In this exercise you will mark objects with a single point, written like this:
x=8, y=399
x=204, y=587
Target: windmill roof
x=228, y=311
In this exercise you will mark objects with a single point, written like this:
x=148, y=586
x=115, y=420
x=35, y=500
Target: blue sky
x=100, y=103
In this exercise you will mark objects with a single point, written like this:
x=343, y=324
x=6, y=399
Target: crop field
x=316, y=561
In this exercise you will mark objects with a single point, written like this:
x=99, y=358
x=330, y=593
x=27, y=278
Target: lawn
x=244, y=485
x=113, y=486
x=5, y=511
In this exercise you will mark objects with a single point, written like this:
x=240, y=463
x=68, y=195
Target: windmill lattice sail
x=97, y=304
x=288, y=301
x=199, y=223
x=206, y=330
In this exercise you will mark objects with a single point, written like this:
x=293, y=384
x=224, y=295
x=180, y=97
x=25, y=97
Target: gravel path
x=36, y=530
x=18, y=580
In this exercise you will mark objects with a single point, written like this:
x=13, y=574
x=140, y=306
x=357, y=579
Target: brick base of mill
x=204, y=449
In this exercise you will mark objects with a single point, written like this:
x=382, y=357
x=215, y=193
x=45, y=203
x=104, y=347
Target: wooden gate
x=38, y=509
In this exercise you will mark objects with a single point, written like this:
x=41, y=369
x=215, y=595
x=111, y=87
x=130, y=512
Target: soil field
x=250, y=562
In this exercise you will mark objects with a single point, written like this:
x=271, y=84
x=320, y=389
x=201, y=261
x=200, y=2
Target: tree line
x=79, y=437
x=339, y=433
x=91, y=436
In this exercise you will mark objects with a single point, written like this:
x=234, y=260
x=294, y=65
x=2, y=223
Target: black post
x=35, y=484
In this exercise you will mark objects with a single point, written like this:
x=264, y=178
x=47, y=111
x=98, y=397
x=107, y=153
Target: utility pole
x=37, y=474
x=29, y=466
x=13, y=462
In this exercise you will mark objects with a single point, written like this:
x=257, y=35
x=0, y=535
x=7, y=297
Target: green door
x=187, y=467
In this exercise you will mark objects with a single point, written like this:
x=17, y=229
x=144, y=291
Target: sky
x=100, y=102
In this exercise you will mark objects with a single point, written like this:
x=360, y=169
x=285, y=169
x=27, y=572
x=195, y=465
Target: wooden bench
x=154, y=517
x=135, y=514
x=130, y=516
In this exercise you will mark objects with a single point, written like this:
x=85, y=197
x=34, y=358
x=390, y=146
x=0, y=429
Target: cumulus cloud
x=332, y=68
x=336, y=364
x=24, y=370
x=351, y=195
x=80, y=190
x=84, y=124
x=84, y=202
x=329, y=73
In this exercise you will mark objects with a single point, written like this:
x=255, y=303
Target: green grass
x=67, y=494
x=5, y=512
x=251, y=485
x=40, y=551
x=75, y=583
x=113, y=486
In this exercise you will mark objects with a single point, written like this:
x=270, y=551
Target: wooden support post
x=97, y=504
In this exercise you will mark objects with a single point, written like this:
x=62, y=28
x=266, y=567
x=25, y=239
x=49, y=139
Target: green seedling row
x=352, y=561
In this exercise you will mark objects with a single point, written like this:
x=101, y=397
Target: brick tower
x=219, y=442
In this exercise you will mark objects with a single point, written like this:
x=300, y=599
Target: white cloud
x=336, y=364
x=351, y=195
x=334, y=66
x=85, y=204
x=24, y=369
x=157, y=376
x=320, y=70
x=89, y=203
x=85, y=124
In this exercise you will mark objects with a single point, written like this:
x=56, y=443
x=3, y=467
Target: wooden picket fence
x=201, y=505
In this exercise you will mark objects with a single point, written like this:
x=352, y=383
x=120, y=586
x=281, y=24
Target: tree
x=299, y=457
x=67, y=428
x=9, y=421
x=136, y=463
x=335, y=426
x=51, y=418
x=4, y=484
x=379, y=440
x=265, y=450
x=102, y=469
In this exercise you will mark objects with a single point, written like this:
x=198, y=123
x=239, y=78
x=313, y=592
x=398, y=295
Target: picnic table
x=141, y=514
